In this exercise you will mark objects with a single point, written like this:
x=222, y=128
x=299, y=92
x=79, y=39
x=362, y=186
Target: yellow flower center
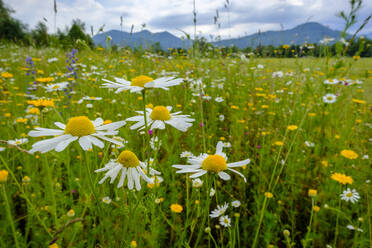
x=79, y=126
x=128, y=159
x=349, y=194
x=140, y=81
x=215, y=163
x=160, y=113
x=329, y=98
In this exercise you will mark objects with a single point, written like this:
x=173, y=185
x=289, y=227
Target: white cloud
x=246, y=16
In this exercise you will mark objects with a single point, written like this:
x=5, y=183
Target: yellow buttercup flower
x=3, y=176
x=269, y=195
x=176, y=208
x=342, y=178
x=350, y=154
x=292, y=127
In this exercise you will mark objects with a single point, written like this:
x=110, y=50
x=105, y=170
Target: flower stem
x=310, y=223
x=10, y=217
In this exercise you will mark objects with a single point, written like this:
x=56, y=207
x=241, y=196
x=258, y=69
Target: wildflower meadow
x=137, y=150
x=104, y=147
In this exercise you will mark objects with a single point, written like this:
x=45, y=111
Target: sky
x=236, y=17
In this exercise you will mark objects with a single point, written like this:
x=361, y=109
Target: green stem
x=337, y=220
x=259, y=223
x=10, y=217
x=147, y=138
x=310, y=223
x=20, y=188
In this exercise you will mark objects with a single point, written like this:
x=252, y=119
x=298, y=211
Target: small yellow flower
x=325, y=163
x=359, y=101
x=3, y=176
x=54, y=246
x=278, y=143
x=133, y=243
x=26, y=179
x=292, y=127
x=71, y=213
x=316, y=208
x=176, y=208
x=6, y=75
x=312, y=192
x=268, y=195
x=350, y=154
x=342, y=178
x=107, y=122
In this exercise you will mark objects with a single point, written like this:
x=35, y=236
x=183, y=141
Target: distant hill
x=143, y=38
x=311, y=32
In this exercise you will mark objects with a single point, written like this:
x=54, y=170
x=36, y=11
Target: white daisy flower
x=197, y=183
x=89, y=98
x=186, y=154
x=235, y=204
x=155, y=142
x=351, y=227
x=77, y=128
x=309, y=144
x=211, y=163
x=130, y=167
x=329, y=98
x=219, y=99
x=331, y=81
x=350, y=195
x=141, y=82
x=159, y=116
x=106, y=199
x=2, y=148
x=221, y=117
x=220, y=210
x=56, y=86
x=18, y=141
x=212, y=192
x=225, y=221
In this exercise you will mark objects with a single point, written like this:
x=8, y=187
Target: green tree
x=10, y=28
x=40, y=35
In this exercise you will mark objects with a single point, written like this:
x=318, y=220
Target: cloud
x=239, y=18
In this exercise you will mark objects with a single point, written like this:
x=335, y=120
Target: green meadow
x=301, y=126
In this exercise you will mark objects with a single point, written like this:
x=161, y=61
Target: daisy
x=197, y=183
x=56, y=87
x=89, y=98
x=331, y=81
x=219, y=99
x=309, y=144
x=141, y=82
x=220, y=210
x=225, y=221
x=329, y=98
x=106, y=199
x=235, y=204
x=128, y=164
x=211, y=163
x=350, y=227
x=350, y=195
x=77, y=128
x=159, y=116
x=186, y=154
x=18, y=141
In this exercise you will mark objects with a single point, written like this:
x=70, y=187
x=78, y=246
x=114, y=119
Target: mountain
x=143, y=38
x=311, y=32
